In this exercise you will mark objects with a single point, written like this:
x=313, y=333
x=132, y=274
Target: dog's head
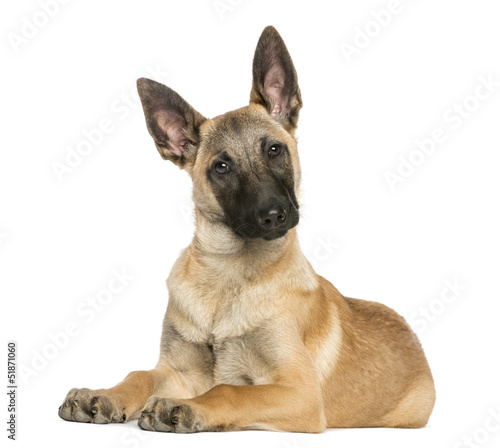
x=244, y=164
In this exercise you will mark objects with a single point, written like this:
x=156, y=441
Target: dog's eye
x=275, y=150
x=221, y=168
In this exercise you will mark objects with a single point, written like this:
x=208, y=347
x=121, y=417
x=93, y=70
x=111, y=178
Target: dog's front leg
x=114, y=405
x=126, y=400
x=226, y=408
x=290, y=399
x=180, y=373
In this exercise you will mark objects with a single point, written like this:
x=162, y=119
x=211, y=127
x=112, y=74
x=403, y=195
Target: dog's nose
x=272, y=217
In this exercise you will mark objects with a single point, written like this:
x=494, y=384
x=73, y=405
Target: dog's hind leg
x=414, y=409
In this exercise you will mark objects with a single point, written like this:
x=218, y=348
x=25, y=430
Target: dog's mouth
x=253, y=233
x=251, y=230
x=275, y=235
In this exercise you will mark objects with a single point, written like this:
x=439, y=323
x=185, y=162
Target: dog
x=252, y=337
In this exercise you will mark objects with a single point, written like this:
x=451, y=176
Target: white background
x=123, y=207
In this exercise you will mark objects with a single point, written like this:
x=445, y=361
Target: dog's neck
x=216, y=245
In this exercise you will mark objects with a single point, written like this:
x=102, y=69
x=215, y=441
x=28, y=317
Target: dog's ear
x=274, y=84
x=172, y=122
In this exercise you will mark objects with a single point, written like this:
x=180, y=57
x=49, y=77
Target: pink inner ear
x=274, y=82
x=172, y=125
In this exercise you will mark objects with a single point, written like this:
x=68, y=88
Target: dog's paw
x=166, y=415
x=90, y=406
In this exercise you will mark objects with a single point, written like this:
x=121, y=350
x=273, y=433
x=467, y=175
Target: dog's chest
x=238, y=333
x=223, y=310
x=241, y=361
x=233, y=316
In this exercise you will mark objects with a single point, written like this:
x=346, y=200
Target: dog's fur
x=253, y=338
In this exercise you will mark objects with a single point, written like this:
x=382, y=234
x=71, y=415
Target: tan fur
x=253, y=338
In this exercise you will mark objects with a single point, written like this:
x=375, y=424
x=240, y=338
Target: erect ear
x=275, y=83
x=172, y=122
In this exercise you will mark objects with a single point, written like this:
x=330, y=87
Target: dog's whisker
x=291, y=200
